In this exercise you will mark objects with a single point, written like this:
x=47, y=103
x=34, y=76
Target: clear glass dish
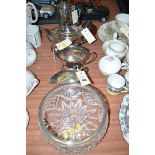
x=73, y=118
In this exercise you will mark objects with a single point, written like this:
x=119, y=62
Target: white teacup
x=116, y=84
x=110, y=65
x=31, y=82
x=122, y=19
x=33, y=35
x=31, y=55
x=115, y=48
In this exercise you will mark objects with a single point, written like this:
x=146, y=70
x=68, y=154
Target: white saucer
x=106, y=31
x=124, y=117
x=31, y=57
x=27, y=118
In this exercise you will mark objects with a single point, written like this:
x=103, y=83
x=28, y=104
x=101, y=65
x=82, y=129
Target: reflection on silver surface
x=65, y=76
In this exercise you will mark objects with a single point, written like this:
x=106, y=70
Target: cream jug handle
x=29, y=7
x=92, y=57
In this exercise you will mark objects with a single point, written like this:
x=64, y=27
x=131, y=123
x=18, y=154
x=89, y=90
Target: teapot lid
x=70, y=32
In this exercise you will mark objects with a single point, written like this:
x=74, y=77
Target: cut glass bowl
x=73, y=118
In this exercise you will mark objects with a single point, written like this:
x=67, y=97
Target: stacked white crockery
x=116, y=50
x=116, y=54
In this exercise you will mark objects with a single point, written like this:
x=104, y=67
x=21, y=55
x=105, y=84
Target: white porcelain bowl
x=115, y=48
x=109, y=65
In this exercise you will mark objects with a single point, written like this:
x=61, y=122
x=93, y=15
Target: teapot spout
x=48, y=34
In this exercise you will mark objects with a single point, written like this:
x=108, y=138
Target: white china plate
x=27, y=118
x=31, y=57
x=124, y=117
x=106, y=31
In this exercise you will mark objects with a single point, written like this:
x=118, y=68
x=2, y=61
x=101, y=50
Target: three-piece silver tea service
x=73, y=116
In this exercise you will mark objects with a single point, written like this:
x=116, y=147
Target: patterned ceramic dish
x=107, y=30
x=124, y=117
x=31, y=82
x=73, y=118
